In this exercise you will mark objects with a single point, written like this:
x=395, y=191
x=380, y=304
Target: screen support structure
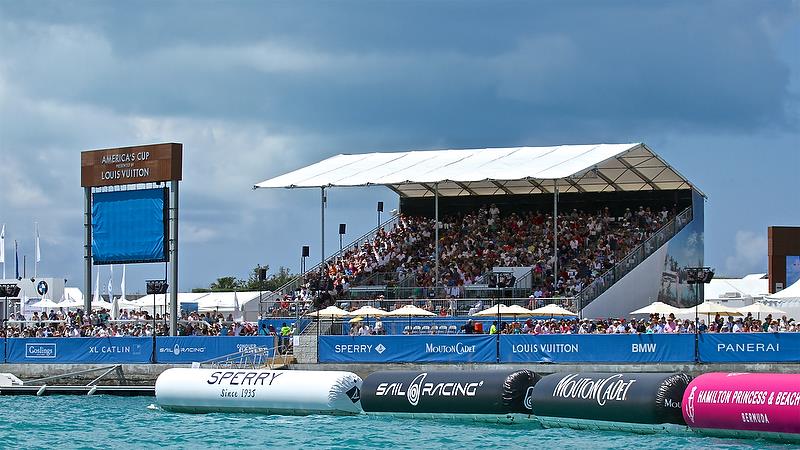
x=173, y=258
x=87, y=249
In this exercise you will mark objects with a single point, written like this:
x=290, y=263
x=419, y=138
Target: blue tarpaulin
x=129, y=226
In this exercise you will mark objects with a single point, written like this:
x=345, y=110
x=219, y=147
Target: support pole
x=173, y=257
x=322, y=228
x=87, y=249
x=555, y=236
x=436, y=235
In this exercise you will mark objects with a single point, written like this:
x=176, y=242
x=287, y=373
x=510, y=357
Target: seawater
x=102, y=422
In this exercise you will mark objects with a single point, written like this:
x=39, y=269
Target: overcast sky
x=254, y=89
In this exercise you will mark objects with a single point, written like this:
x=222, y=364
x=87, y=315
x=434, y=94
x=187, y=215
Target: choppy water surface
x=113, y=422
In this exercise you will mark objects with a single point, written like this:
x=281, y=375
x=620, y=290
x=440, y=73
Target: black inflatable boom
x=647, y=398
x=452, y=392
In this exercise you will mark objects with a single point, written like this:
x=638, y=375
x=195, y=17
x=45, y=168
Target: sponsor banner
x=188, y=349
x=622, y=348
x=744, y=401
x=452, y=391
x=378, y=349
x=615, y=397
x=79, y=350
x=749, y=347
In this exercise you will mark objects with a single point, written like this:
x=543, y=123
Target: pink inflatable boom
x=744, y=405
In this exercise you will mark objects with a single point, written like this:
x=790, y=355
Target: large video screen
x=792, y=270
x=130, y=226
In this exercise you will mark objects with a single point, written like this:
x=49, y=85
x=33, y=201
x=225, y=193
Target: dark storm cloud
x=430, y=66
x=254, y=89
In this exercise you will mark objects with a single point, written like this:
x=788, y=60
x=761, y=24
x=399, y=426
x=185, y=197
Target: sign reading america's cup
x=129, y=165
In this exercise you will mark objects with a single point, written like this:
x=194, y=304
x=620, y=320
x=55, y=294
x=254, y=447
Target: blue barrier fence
x=625, y=348
x=461, y=348
x=128, y=350
x=377, y=349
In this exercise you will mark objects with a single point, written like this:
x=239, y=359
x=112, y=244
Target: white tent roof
x=183, y=297
x=225, y=301
x=493, y=171
x=790, y=293
x=732, y=288
x=73, y=293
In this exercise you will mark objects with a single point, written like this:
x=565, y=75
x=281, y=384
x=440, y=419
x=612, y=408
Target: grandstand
x=626, y=226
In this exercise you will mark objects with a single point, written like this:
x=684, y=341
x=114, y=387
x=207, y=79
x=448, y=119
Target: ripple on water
x=103, y=422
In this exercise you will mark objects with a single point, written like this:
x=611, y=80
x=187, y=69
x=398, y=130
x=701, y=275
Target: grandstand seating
x=472, y=243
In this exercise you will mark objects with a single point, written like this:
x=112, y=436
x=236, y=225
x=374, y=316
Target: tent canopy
x=493, y=171
x=790, y=293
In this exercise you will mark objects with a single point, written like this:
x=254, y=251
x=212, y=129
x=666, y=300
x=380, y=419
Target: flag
x=3, y=249
x=96, y=298
x=110, y=286
x=122, y=285
x=235, y=307
x=38, y=251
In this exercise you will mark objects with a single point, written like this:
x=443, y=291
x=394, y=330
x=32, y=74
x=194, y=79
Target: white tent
x=787, y=300
x=737, y=292
x=489, y=171
x=227, y=302
x=46, y=303
x=790, y=293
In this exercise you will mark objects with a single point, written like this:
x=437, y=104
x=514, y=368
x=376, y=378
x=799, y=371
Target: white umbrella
x=411, y=311
x=552, y=310
x=658, y=308
x=46, y=303
x=760, y=308
x=330, y=312
x=369, y=311
x=503, y=310
x=709, y=308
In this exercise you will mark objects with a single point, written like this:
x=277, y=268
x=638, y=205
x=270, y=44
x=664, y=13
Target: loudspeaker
x=305, y=251
x=342, y=228
x=262, y=274
x=380, y=206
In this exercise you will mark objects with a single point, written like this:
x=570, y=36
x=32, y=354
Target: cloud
x=710, y=86
x=749, y=254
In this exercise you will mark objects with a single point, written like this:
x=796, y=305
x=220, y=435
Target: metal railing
x=635, y=257
x=442, y=307
x=250, y=358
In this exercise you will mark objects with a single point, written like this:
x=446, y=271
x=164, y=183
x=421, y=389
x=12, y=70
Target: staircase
x=625, y=265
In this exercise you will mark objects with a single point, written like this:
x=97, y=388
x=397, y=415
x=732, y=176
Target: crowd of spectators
x=58, y=323
x=655, y=324
x=471, y=244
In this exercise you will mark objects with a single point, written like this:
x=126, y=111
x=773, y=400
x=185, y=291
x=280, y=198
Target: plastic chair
x=442, y=329
x=425, y=330
x=452, y=329
x=407, y=330
x=416, y=329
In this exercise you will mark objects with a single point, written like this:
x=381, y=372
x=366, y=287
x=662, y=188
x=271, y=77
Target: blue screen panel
x=130, y=226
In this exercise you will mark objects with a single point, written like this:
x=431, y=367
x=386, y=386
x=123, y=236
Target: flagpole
x=38, y=256
x=3, y=249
